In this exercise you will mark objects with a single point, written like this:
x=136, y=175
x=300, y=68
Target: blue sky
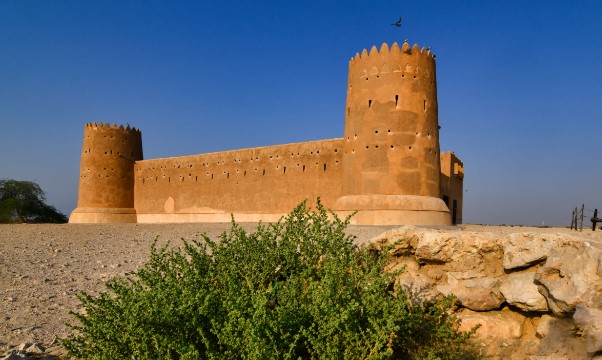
x=519, y=86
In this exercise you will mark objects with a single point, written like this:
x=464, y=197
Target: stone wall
x=535, y=295
x=253, y=184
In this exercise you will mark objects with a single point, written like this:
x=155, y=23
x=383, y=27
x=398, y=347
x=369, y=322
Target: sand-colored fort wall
x=387, y=167
x=253, y=184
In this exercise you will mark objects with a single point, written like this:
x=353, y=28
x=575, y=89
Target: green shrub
x=295, y=289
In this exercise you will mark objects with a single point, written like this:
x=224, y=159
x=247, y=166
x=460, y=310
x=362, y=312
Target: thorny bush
x=296, y=289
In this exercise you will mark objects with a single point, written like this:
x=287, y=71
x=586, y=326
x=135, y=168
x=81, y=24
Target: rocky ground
x=43, y=267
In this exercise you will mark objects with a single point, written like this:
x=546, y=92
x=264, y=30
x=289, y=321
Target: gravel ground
x=43, y=267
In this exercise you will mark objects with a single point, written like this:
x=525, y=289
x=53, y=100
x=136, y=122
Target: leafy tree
x=25, y=202
x=297, y=289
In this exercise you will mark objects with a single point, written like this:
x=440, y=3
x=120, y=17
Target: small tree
x=297, y=289
x=25, y=202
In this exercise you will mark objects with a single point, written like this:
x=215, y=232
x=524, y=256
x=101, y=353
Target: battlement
x=414, y=60
x=107, y=126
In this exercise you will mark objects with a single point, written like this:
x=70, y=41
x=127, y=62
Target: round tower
x=391, y=143
x=106, y=180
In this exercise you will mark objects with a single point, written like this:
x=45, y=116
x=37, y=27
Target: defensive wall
x=387, y=167
x=253, y=184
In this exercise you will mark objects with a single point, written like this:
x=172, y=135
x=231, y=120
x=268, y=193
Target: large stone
x=558, y=340
x=590, y=320
x=480, y=294
x=36, y=348
x=520, y=290
x=438, y=247
x=419, y=288
x=404, y=263
x=546, y=325
x=466, y=254
x=524, y=249
x=498, y=329
x=403, y=240
x=567, y=275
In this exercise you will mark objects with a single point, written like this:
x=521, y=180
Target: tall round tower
x=106, y=180
x=391, y=144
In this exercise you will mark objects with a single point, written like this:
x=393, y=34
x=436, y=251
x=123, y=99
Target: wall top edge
x=393, y=51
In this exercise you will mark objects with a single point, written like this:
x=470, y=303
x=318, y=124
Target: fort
x=387, y=167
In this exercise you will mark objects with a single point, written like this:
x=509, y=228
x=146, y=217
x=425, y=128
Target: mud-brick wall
x=265, y=180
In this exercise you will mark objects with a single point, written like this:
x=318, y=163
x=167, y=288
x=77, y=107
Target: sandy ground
x=43, y=267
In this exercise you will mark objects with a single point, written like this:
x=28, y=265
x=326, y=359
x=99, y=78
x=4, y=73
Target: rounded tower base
x=394, y=210
x=103, y=216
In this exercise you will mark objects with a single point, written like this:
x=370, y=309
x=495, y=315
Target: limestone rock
x=435, y=272
x=476, y=294
x=520, y=290
x=403, y=238
x=407, y=264
x=567, y=275
x=439, y=247
x=545, y=324
x=524, y=249
x=36, y=348
x=551, y=357
x=419, y=288
x=590, y=320
x=558, y=340
x=467, y=254
x=498, y=329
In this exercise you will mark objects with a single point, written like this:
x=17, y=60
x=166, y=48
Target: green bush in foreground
x=295, y=289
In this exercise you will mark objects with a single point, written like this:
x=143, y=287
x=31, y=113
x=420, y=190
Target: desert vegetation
x=296, y=289
x=25, y=202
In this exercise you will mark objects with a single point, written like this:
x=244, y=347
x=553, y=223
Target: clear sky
x=519, y=86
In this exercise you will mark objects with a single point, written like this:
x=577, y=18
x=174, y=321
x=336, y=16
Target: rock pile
x=536, y=295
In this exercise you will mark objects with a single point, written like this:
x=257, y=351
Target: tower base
x=393, y=210
x=103, y=216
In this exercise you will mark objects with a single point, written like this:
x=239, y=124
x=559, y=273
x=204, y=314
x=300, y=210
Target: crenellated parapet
x=405, y=62
x=107, y=126
x=125, y=134
x=107, y=139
